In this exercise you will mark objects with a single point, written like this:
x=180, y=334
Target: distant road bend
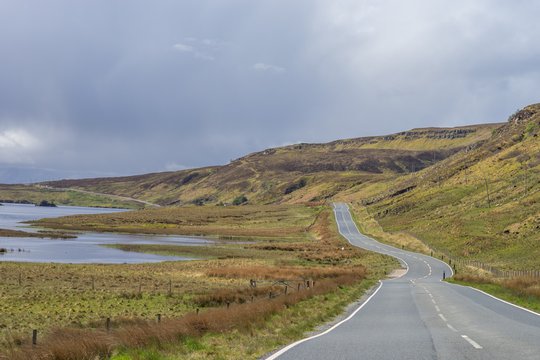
x=119, y=197
x=418, y=316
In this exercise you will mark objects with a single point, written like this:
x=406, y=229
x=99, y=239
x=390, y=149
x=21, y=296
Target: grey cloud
x=268, y=67
x=128, y=87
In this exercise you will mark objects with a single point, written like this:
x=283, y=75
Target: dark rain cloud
x=133, y=86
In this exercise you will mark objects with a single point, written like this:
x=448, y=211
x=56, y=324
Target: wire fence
x=460, y=264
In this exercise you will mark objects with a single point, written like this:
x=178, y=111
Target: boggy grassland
x=305, y=274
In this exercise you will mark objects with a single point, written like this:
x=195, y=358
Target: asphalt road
x=417, y=316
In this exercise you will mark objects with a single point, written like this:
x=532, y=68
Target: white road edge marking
x=388, y=247
x=472, y=342
x=356, y=227
x=501, y=300
x=289, y=347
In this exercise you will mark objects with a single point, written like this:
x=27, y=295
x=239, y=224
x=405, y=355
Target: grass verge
x=521, y=291
x=68, y=304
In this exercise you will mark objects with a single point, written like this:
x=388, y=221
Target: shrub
x=242, y=199
x=295, y=186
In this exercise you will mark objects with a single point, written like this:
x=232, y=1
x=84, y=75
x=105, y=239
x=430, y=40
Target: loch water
x=86, y=248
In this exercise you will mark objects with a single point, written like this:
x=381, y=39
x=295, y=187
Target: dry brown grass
x=293, y=273
x=524, y=285
x=521, y=286
x=274, y=281
x=71, y=344
x=325, y=247
x=220, y=288
x=272, y=222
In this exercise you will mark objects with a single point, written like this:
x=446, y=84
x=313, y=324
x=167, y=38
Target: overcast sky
x=125, y=87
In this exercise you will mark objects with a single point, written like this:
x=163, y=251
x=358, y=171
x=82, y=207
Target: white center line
x=451, y=327
x=443, y=318
x=472, y=342
x=437, y=308
x=433, y=301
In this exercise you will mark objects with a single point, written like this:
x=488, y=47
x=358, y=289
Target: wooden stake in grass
x=170, y=287
x=159, y=318
x=108, y=324
x=20, y=280
x=34, y=337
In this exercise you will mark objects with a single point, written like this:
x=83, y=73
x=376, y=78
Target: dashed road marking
x=442, y=317
x=451, y=327
x=472, y=342
x=437, y=308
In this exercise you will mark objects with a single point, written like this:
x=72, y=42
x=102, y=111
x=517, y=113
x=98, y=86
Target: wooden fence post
x=34, y=337
x=108, y=324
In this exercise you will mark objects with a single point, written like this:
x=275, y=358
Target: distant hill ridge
x=295, y=173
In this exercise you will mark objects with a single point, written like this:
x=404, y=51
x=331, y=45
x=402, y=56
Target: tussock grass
x=220, y=287
x=520, y=286
x=70, y=344
x=523, y=291
x=274, y=222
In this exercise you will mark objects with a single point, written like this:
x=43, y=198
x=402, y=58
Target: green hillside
x=294, y=174
x=482, y=203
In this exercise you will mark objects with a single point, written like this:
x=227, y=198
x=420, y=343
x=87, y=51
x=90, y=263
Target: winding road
x=418, y=316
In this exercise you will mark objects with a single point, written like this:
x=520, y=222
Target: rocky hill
x=296, y=173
